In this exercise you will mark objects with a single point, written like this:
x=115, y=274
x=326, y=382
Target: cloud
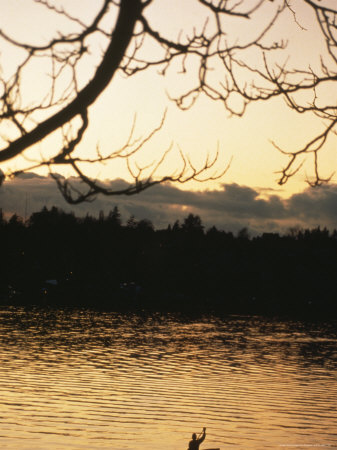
x=317, y=205
x=230, y=208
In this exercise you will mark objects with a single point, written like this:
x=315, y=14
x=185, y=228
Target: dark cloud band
x=230, y=208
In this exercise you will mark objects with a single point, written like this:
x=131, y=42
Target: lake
x=84, y=379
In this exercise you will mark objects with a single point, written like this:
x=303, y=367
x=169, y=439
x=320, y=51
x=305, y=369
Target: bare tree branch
x=228, y=63
x=129, y=12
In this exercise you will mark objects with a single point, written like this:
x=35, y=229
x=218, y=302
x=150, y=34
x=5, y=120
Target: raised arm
x=203, y=436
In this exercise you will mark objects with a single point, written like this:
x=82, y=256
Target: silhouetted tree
x=230, y=56
x=2, y=219
x=305, y=86
x=101, y=216
x=243, y=233
x=176, y=226
x=114, y=218
x=131, y=222
x=15, y=221
x=192, y=224
x=212, y=231
x=145, y=225
x=295, y=232
x=54, y=217
x=181, y=271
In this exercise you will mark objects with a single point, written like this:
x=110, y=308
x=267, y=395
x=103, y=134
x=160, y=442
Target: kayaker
x=194, y=443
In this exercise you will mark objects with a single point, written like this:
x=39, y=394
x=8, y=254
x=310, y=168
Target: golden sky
x=198, y=131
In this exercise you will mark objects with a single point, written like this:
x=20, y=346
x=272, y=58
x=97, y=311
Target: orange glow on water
x=83, y=379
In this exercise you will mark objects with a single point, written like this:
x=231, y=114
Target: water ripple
x=86, y=379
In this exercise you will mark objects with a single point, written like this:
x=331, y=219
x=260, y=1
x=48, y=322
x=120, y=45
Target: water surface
x=84, y=379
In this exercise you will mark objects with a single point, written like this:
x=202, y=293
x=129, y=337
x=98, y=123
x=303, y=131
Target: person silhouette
x=194, y=443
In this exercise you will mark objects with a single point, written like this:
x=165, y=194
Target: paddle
x=204, y=429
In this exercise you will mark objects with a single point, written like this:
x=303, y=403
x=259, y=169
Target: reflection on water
x=85, y=379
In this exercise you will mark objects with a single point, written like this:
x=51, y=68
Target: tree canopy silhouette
x=56, y=258
x=230, y=55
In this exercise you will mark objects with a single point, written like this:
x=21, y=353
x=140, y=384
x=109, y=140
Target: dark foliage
x=56, y=258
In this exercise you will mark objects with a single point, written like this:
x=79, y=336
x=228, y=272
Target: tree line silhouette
x=56, y=258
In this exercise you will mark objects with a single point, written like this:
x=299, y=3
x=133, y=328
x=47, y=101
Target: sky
x=250, y=182
x=230, y=207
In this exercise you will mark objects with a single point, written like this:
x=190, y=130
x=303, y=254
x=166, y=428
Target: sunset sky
x=199, y=131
